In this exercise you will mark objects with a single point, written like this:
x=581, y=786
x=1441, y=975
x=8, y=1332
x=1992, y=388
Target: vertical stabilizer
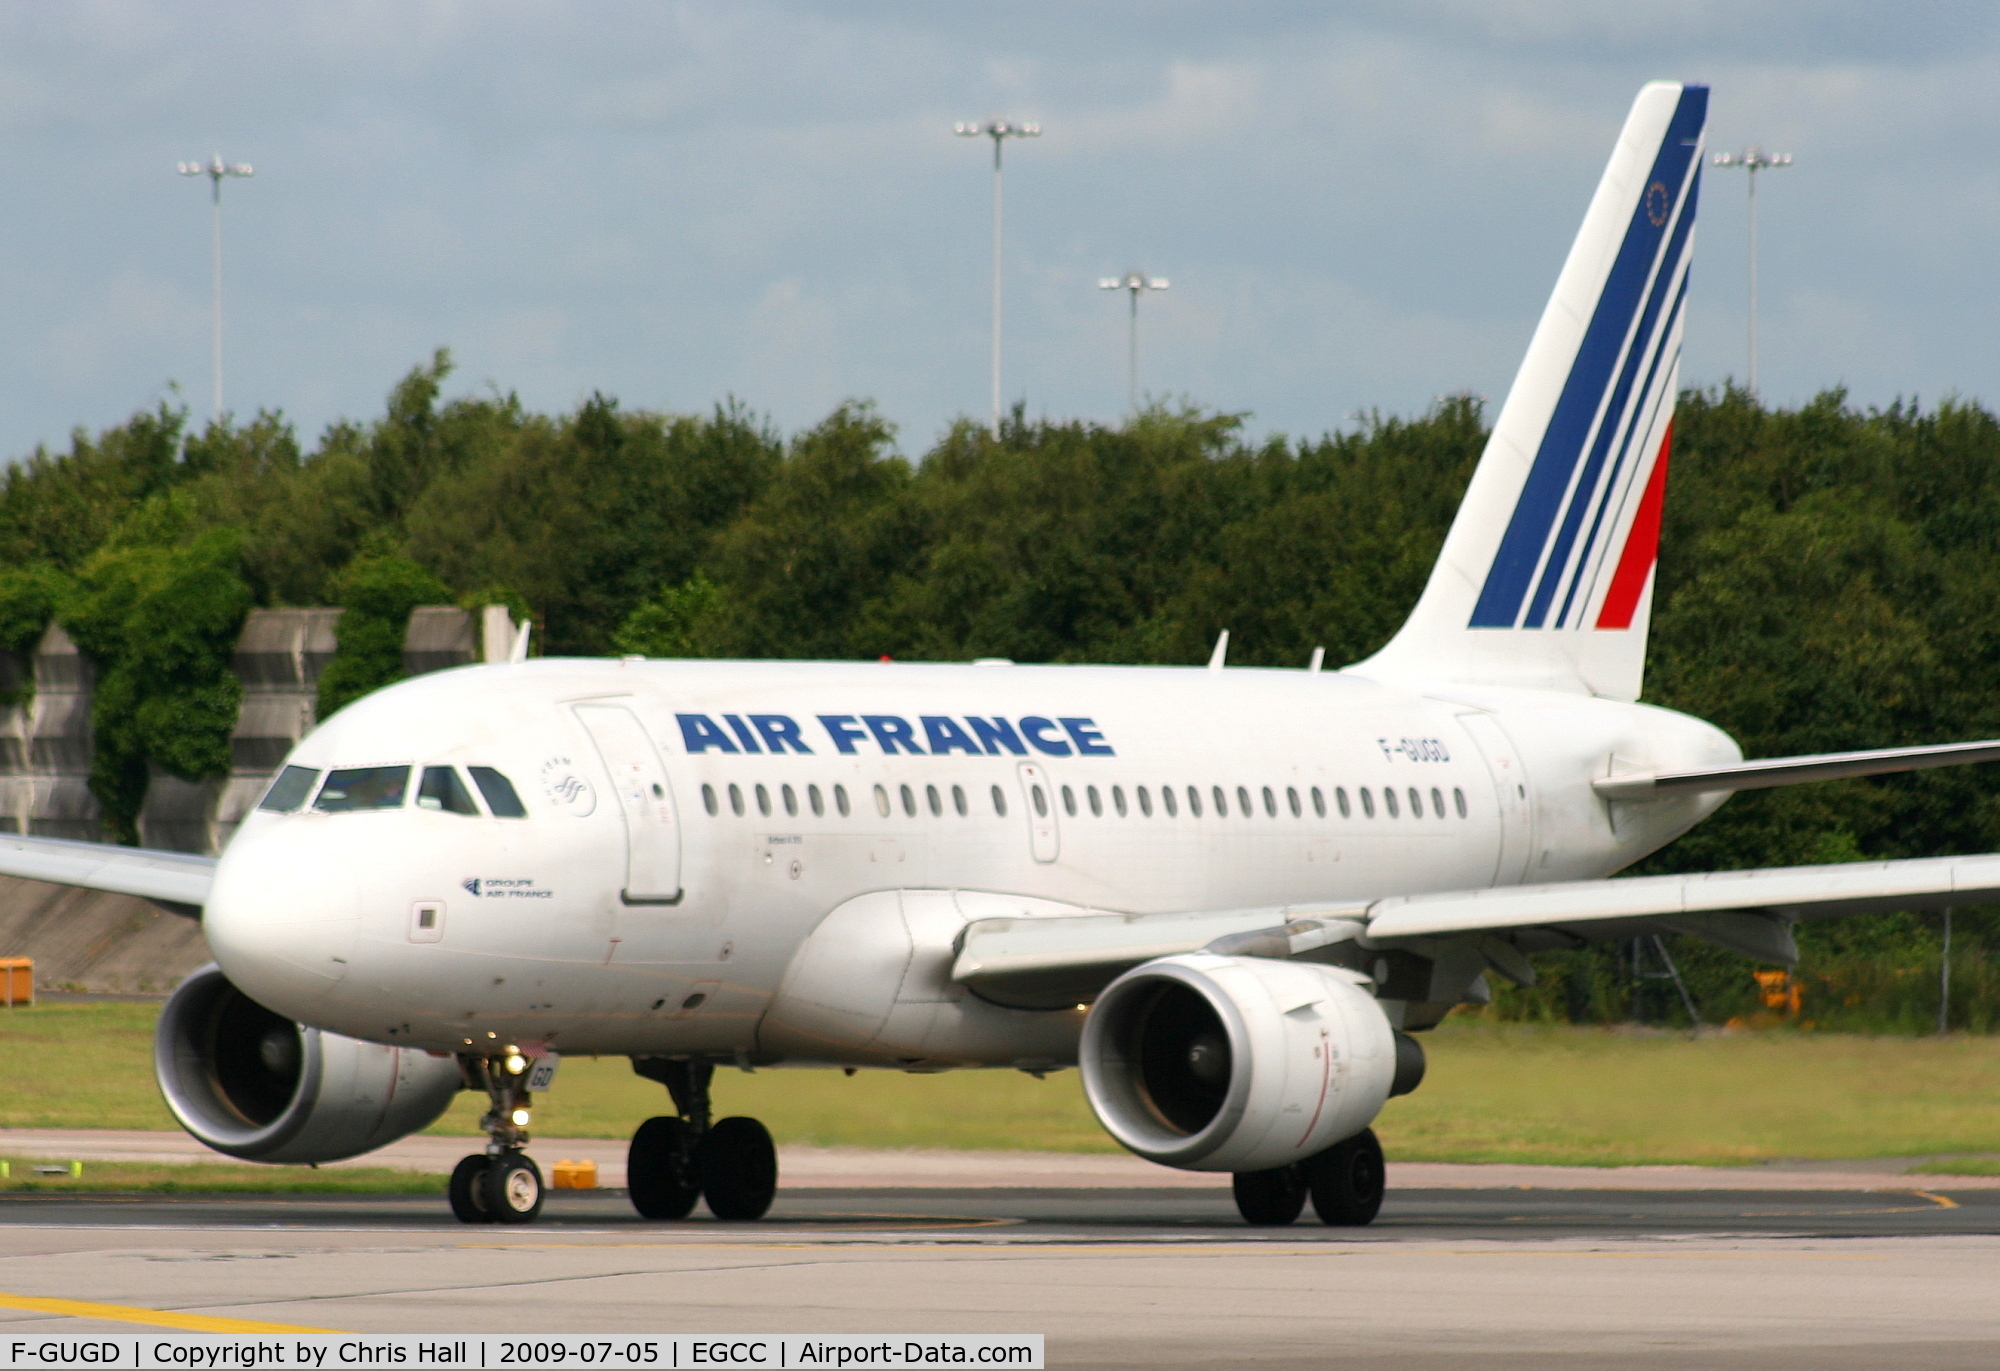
x=1546, y=578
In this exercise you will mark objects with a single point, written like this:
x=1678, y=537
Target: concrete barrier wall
x=45, y=746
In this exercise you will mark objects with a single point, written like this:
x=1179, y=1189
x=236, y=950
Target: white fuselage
x=662, y=881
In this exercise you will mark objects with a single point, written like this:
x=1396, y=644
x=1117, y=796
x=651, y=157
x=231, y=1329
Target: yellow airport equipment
x=17, y=981
x=571, y=1175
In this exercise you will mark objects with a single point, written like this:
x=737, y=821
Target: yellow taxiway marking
x=157, y=1318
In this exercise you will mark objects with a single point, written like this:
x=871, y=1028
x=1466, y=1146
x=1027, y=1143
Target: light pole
x=999, y=130
x=215, y=169
x=1137, y=283
x=1753, y=159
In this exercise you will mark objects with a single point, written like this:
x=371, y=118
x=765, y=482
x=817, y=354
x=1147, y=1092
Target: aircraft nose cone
x=282, y=919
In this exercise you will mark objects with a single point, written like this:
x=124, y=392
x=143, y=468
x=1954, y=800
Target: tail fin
x=1546, y=578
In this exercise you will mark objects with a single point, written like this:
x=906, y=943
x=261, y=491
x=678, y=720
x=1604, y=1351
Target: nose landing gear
x=672, y=1162
x=502, y=1184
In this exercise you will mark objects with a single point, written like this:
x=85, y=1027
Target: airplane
x=1231, y=897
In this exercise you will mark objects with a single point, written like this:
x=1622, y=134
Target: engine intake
x=1216, y=1063
x=253, y=1084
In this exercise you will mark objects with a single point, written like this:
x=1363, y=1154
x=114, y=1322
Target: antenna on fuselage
x=1319, y=656
x=1215, y=658
x=520, y=652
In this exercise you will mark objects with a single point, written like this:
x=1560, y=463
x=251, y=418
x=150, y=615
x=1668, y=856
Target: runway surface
x=1899, y=1276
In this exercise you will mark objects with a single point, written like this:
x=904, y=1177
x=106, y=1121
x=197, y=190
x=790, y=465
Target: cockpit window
x=499, y=793
x=441, y=789
x=290, y=790
x=363, y=787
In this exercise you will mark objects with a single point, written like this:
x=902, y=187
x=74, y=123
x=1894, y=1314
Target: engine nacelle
x=255, y=1085
x=1214, y=1063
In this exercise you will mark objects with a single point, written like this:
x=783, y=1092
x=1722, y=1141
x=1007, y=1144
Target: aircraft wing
x=176, y=880
x=1047, y=962
x=1776, y=771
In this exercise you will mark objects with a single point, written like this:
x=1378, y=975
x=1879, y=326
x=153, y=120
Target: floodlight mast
x=215, y=169
x=1136, y=283
x=999, y=130
x=1753, y=159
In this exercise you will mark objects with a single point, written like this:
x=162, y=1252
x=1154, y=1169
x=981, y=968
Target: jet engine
x=1218, y=1063
x=255, y=1085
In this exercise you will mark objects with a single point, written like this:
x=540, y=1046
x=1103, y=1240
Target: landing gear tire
x=1270, y=1199
x=738, y=1167
x=468, y=1204
x=659, y=1172
x=1347, y=1181
x=512, y=1189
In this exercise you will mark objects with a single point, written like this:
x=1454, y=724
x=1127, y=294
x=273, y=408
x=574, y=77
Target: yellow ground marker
x=157, y=1318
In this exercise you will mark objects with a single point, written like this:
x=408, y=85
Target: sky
x=1360, y=207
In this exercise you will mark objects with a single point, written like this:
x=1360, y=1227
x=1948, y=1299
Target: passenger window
x=1096, y=804
x=708, y=800
x=1167, y=801
x=1041, y=801
x=363, y=787
x=1458, y=799
x=817, y=801
x=1118, y=800
x=1389, y=802
x=289, y=791
x=763, y=800
x=735, y=799
x=1194, y=802
x=909, y=802
x=999, y=802
x=1221, y=802
x=1146, y=800
x=1069, y=801
x=935, y=801
x=1340, y=798
x=881, y=802
x=1319, y=802
x=791, y=799
x=840, y=800
x=501, y=801
x=1292, y=799
x=1243, y=805
x=958, y=801
x=1416, y=804
x=1271, y=803
x=1367, y=803
x=441, y=789
x=1437, y=802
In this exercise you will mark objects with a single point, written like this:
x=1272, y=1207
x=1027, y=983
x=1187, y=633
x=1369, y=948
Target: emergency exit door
x=645, y=801
x=1039, y=796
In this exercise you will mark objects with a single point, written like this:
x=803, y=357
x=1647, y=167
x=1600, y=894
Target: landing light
x=515, y=1063
x=520, y=1118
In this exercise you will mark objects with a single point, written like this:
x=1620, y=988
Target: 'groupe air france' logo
x=1658, y=202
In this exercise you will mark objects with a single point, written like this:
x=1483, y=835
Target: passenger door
x=645, y=800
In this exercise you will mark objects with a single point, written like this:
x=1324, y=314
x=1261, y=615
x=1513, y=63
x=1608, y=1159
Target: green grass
x=1959, y=1166
x=1496, y=1093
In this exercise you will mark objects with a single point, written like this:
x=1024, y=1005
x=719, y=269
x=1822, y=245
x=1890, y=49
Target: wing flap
x=1688, y=903
x=177, y=879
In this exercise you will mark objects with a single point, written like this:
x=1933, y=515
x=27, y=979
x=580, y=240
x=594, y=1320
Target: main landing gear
x=1345, y=1183
x=502, y=1184
x=675, y=1161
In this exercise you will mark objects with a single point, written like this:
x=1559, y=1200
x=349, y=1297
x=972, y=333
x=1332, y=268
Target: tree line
x=1828, y=580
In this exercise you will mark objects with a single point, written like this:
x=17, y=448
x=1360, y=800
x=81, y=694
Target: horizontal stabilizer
x=179, y=880
x=1777, y=771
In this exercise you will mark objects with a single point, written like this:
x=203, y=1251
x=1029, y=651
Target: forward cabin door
x=1510, y=791
x=1038, y=797
x=645, y=800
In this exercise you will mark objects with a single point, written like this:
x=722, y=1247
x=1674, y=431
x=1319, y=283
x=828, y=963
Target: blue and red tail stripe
x=1631, y=328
